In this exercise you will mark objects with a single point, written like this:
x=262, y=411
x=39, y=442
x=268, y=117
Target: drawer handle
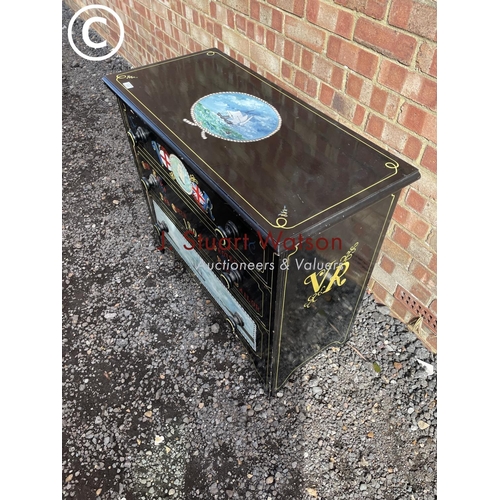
x=149, y=182
x=140, y=135
x=231, y=278
x=235, y=321
x=160, y=227
x=230, y=230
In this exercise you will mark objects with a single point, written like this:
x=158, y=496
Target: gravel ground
x=160, y=400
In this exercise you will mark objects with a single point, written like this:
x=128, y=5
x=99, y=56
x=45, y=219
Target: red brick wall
x=371, y=64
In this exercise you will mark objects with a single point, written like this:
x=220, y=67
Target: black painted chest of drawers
x=279, y=210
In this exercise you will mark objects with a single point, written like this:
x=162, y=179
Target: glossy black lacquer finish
x=312, y=166
x=310, y=177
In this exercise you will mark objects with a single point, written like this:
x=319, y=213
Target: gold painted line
x=282, y=314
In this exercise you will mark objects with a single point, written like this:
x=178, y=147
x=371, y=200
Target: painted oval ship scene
x=235, y=116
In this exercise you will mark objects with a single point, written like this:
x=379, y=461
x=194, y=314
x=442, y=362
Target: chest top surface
x=284, y=164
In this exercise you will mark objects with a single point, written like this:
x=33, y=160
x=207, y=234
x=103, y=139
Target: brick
x=420, y=293
x=330, y=18
x=239, y=5
x=384, y=102
x=202, y=37
x=326, y=94
x=372, y=8
x=337, y=79
x=414, y=16
x=420, y=251
x=294, y=6
x=270, y=40
x=393, y=136
x=289, y=53
x=322, y=68
x=401, y=214
x=217, y=11
x=412, y=222
x=379, y=291
x=431, y=342
x=415, y=201
x=240, y=23
x=305, y=34
x=354, y=86
x=265, y=59
x=375, y=126
x=306, y=83
x=417, y=226
x=200, y=5
x=218, y=30
x=286, y=70
x=386, y=280
x=255, y=32
x=429, y=213
x=427, y=184
x=427, y=59
x=396, y=253
x=350, y=55
x=387, y=264
x=400, y=310
x=376, y=98
x=230, y=18
x=359, y=115
x=424, y=275
x=419, y=120
x=344, y=106
x=277, y=20
x=236, y=40
x=307, y=60
x=401, y=237
x=429, y=159
x=255, y=9
x=412, y=147
x=387, y=41
x=146, y=3
x=408, y=83
x=140, y=9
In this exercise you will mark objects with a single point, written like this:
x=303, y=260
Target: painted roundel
x=235, y=116
x=181, y=174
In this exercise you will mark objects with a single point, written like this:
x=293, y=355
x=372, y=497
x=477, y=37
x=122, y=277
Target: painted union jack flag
x=202, y=199
x=199, y=195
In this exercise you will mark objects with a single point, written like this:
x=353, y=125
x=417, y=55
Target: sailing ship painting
x=235, y=116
